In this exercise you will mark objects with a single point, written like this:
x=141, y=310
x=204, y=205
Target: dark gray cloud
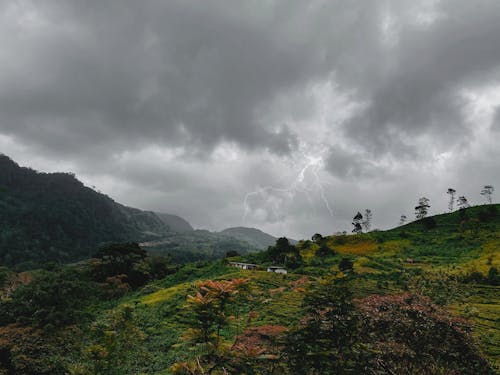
x=417, y=90
x=188, y=105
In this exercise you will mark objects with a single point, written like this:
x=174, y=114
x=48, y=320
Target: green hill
x=423, y=298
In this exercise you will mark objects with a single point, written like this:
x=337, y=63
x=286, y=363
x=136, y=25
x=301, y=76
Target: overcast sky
x=288, y=116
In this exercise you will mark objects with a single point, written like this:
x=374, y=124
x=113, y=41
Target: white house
x=243, y=266
x=277, y=269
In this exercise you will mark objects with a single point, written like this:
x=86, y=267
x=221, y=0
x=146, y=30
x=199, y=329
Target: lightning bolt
x=313, y=164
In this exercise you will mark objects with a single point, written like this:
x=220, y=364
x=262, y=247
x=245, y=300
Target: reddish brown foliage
x=410, y=331
x=407, y=306
x=116, y=286
x=299, y=284
x=258, y=341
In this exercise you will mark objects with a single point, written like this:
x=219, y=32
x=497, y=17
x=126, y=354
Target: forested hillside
x=175, y=223
x=54, y=217
x=422, y=298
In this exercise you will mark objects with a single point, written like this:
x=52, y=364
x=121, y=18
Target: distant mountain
x=253, y=236
x=198, y=245
x=175, y=223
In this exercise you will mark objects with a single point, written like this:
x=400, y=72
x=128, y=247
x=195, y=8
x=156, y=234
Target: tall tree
x=463, y=202
x=356, y=222
x=451, y=192
x=317, y=238
x=487, y=192
x=367, y=223
x=402, y=220
x=327, y=339
x=422, y=208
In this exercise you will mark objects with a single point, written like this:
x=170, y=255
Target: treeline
x=362, y=222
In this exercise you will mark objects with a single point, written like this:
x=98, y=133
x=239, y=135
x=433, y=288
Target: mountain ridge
x=54, y=217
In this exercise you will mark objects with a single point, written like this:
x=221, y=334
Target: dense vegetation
x=48, y=217
x=418, y=299
x=54, y=217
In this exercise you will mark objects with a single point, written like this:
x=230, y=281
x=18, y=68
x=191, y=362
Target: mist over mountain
x=253, y=236
x=175, y=223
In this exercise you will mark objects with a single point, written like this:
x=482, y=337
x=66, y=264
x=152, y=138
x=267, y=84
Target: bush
x=429, y=223
x=346, y=265
x=52, y=299
x=324, y=251
x=488, y=214
x=493, y=276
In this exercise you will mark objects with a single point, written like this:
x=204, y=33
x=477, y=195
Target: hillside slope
x=54, y=217
x=446, y=257
x=256, y=237
x=423, y=286
x=175, y=223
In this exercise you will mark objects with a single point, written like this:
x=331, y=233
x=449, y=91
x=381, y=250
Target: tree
x=324, y=251
x=284, y=253
x=117, y=346
x=451, y=192
x=211, y=307
x=356, y=222
x=423, y=208
x=232, y=253
x=52, y=299
x=327, y=341
x=408, y=334
x=402, y=220
x=120, y=259
x=317, y=238
x=463, y=202
x=487, y=192
x=367, y=223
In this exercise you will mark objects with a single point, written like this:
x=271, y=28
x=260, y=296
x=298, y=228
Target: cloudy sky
x=289, y=116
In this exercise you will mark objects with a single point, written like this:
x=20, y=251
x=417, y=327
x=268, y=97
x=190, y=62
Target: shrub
x=429, y=223
x=346, y=265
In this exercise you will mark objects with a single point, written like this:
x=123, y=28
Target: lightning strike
x=299, y=185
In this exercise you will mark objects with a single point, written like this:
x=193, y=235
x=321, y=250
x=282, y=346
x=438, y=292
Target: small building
x=243, y=266
x=277, y=269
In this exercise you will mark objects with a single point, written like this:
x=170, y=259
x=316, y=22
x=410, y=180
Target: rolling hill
x=423, y=296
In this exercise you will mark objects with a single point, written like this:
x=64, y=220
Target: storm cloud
x=274, y=114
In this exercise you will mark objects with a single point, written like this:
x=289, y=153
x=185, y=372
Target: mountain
x=253, y=236
x=198, y=245
x=175, y=223
x=54, y=217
